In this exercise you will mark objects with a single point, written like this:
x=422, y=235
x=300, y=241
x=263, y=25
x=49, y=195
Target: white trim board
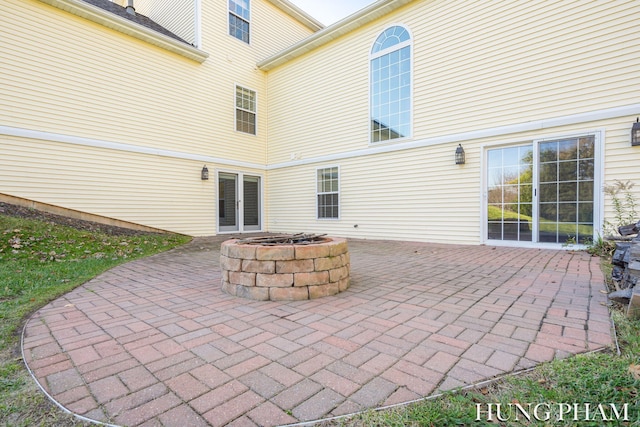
x=609, y=113
x=88, y=142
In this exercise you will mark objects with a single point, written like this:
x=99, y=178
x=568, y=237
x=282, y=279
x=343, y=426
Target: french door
x=239, y=202
x=542, y=191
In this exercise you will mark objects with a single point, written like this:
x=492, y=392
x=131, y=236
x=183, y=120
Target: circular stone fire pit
x=291, y=269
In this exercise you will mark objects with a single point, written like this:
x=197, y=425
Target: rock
x=621, y=252
x=622, y=296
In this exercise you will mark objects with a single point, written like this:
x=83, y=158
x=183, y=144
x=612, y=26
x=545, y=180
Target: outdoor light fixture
x=460, y=155
x=635, y=133
x=205, y=173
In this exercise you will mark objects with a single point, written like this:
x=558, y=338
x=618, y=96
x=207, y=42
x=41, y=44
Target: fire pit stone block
x=285, y=272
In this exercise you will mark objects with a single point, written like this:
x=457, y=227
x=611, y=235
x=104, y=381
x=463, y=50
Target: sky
x=330, y=11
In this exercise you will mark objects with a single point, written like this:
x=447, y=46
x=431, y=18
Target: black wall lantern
x=460, y=155
x=205, y=173
x=635, y=133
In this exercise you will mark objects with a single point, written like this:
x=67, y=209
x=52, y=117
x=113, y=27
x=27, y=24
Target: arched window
x=391, y=85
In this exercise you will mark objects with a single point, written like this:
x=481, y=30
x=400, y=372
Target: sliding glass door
x=542, y=191
x=510, y=193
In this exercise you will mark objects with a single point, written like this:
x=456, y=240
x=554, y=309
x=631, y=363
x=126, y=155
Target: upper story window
x=239, y=18
x=245, y=110
x=391, y=85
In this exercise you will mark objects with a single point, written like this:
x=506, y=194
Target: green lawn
x=39, y=261
x=496, y=214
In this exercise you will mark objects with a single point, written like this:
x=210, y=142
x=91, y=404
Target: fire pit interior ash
x=285, y=267
x=284, y=239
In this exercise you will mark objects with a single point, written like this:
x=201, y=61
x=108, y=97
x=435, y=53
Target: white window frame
x=248, y=21
x=319, y=193
x=198, y=23
x=236, y=108
x=381, y=53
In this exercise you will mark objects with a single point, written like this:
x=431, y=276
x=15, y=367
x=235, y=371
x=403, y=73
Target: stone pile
x=626, y=270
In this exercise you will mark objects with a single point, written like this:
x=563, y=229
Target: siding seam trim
x=76, y=140
x=609, y=113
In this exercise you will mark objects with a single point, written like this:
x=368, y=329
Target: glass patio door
x=251, y=208
x=542, y=192
x=566, y=176
x=237, y=213
x=510, y=193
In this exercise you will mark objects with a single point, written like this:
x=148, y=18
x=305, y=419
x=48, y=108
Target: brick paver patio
x=156, y=341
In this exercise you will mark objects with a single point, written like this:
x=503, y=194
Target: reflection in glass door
x=542, y=192
x=566, y=190
x=237, y=213
x=251, y=214
x=510, y=195
x=228, y=202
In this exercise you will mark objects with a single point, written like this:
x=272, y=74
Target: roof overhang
x=333, y=32
x=123, y=25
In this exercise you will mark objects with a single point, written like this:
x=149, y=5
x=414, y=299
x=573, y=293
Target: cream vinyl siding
x=420, y=194
x=319, y=104
x=272, y=30
x=402, y=196
x=476, y=65
x=150, y=190
x=621, y=160
x=508, y=62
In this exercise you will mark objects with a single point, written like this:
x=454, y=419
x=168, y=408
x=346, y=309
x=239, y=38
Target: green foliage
x=600, y=247
x=40, y=261
x=570, y=241
x=624, y=206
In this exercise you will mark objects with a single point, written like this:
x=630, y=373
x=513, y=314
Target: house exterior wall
x=514, y=71
x=97, y=121
x=419, y=194
x=131, y=110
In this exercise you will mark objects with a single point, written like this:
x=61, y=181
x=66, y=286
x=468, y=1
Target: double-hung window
x=328, y=193
x=239, y=19
x=245, y=110
x=391, y=85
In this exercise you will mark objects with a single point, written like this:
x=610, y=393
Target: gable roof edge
x=123, y=25
x=295, y=12
x=332, y=32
